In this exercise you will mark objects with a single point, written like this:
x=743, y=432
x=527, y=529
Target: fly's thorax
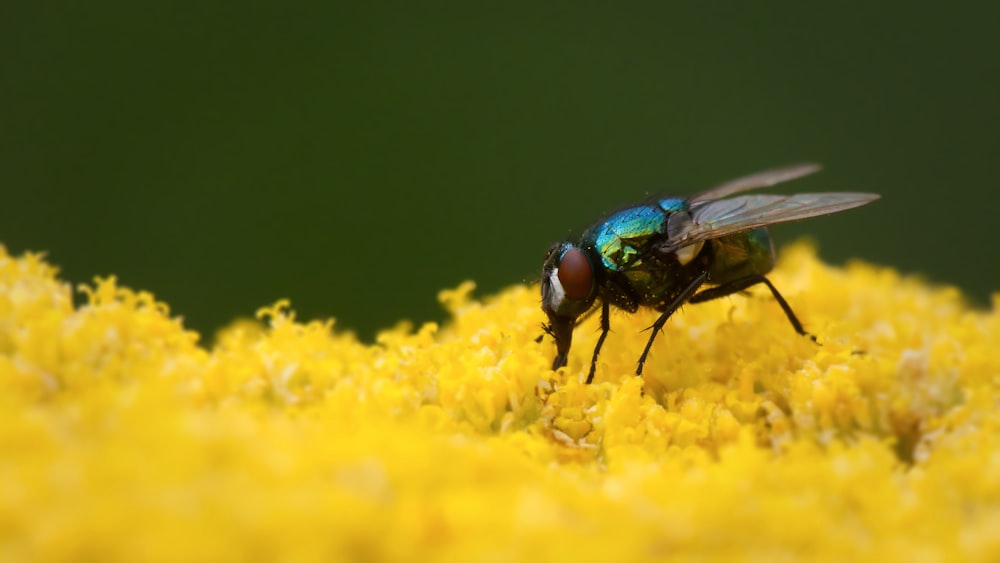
x=619, y=238
x=740, y=255
x=622, y=239
x=569, y=284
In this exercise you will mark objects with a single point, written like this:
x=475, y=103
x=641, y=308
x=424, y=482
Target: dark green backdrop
x=357, y=159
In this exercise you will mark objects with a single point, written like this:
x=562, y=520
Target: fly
x=669, y=251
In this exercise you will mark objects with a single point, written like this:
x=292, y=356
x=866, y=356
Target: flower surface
x=125, y=439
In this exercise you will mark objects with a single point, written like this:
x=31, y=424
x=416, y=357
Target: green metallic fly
x=661, y=252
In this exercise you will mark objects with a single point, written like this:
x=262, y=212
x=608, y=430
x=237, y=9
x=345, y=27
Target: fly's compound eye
x=576, y=274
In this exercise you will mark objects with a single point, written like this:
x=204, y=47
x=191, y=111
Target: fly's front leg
x=740, y=284
x=605, y=327
x=546, y=329
x=681, y=298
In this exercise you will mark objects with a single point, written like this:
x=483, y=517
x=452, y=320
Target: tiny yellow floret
x=126, y=439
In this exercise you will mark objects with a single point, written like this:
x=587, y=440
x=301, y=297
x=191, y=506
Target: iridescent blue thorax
x=620, y=239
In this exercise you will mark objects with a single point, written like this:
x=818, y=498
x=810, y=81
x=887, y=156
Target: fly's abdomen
x=741, y=255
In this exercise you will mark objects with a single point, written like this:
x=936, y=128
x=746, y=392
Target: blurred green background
x=359, y=158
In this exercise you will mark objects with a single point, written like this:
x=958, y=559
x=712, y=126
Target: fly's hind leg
x=735, y=286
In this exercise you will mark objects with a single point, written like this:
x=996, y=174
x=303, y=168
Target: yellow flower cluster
x=123, y=439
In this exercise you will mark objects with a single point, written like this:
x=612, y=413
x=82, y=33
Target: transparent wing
x=716, y=219
x=754, y=181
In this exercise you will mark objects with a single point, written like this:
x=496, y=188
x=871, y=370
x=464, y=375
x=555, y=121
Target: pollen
x=126, y=437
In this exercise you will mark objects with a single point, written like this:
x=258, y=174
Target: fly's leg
x=681, y=298
x=605, y=327
x=740, y=284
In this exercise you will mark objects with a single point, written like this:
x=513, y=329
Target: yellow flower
x=124, y=439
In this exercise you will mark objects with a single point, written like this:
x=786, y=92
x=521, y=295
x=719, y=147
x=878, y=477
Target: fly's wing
x=716, y=219
x=754, y=181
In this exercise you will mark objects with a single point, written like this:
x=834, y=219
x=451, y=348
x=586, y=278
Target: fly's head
x=569, y=289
